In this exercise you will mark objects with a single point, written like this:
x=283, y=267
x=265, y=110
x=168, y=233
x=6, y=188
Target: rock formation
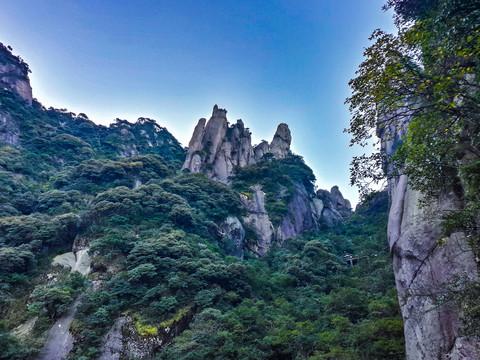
x=423, y=265
x=301, y=215
x=217, y=148
x=77, y=260
x=9, y=129
x=233, y=230
x=334, y=207
x=14, y=74
x=258, y=219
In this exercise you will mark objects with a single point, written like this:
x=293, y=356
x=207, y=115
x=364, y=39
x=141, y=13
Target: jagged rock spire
x=217, y=148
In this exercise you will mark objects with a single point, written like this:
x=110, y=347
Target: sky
x=266, y=62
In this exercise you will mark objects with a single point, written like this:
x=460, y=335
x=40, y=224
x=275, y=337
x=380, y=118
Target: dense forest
x=102, y=231
x=418, y=92
x=157, y=256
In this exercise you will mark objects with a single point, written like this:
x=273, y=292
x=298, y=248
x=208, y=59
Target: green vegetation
x=158, y=256
x=304, y=302
x=429, y=76
x=278, y=178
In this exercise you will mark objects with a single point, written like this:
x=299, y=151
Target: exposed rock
x=79, y=261
x=113, y=341
x=14, y=74
x=317, y=206
x=137, y=183
x=300, y=216
x=59, y=340
x=280, y=145
x=339, y=202
x=128, y=150
x=233, y=230
x=124, y=342
x=258, y=219
x=217, y=148
x=65, y=260
x=83, y=262
x=335, y=207
x=80, y=243
x=422, y=265
x=9, y=129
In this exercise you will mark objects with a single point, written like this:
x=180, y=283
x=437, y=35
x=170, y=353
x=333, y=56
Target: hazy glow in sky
x=265, y=61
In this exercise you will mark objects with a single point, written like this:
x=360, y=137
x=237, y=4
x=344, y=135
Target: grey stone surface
x=113, y=342
x=422, y=266
x=217, y=148
x=300, y=216
x=280, y=145
x=59, y=339
x=15, y=79
x=258, y=219
x=335, y=207
x=79, y=261
x=233, y=230
x=9, y=129
x=124, y=342
x=65, y=260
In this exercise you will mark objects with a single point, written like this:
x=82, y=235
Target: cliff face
x=423, y=265
x=217, y=149
x=14, y=74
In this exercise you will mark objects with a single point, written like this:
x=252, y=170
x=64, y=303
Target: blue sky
x=266, y=62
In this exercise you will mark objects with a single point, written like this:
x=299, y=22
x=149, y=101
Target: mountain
x=275, y=186
x=117, y=243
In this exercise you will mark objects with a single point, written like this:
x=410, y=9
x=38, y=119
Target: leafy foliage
x=419, y=91
x=158, y=255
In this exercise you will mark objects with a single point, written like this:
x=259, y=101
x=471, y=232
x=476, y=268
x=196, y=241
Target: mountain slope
x=108, y=250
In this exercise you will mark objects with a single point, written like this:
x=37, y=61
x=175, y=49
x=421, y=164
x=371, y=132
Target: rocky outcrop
x=422, y=265
x=334, y=207
x=217, y=148
x=77, y=260
x=59, y=341
x=14, y=74
x=258, y=219
x=302, y=215
x=9, y=129
x=233, y=231
x=123, y=340
x=305, y=212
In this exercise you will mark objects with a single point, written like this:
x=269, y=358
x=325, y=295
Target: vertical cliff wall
x=423, y=265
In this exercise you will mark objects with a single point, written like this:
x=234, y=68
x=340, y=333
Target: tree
x=420, y=91
x=426, y=75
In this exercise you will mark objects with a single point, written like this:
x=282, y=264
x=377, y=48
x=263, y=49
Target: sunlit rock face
x=14, y=74
x=423, y=265
x=217, y=148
